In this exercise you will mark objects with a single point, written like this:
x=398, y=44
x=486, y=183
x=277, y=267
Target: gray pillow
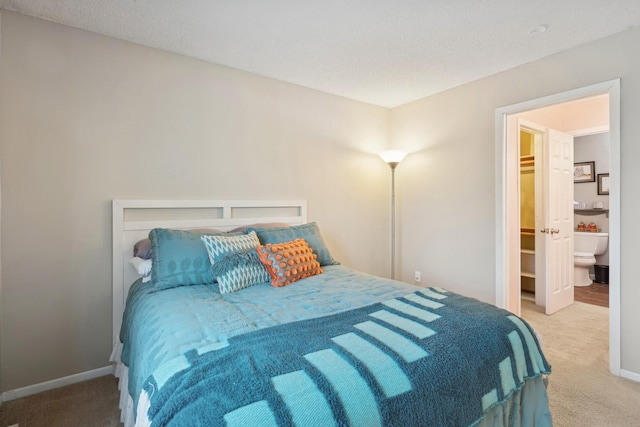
x=142, y=249
x=265, y=225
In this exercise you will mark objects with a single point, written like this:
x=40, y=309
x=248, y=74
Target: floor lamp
x=393, y=159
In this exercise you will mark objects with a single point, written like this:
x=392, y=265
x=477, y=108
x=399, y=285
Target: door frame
x=507, y=203
x=538, y=131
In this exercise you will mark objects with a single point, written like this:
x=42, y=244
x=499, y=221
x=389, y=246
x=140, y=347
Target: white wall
x=86, y=119
x=592, y=148
x=586, y=149
x=447, y=186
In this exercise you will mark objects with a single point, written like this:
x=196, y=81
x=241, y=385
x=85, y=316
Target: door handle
x=550, y=230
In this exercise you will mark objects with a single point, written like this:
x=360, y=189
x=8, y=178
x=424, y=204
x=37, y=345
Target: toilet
x=586, y=245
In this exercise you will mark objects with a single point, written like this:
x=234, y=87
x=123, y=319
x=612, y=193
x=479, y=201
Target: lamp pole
x=393, y=159
x=393, y=218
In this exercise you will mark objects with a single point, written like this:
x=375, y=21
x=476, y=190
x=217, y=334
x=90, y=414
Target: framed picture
x=584, y=172
x=603, y=184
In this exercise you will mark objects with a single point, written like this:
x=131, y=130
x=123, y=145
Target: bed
x=334, y=347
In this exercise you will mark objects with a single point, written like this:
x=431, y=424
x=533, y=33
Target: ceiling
x=383, y=52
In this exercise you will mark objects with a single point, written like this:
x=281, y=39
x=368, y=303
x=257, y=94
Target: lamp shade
x=393, y=156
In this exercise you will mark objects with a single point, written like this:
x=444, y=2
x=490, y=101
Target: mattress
x=160, y=328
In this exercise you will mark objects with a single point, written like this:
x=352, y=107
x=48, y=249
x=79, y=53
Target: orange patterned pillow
x=289, y=262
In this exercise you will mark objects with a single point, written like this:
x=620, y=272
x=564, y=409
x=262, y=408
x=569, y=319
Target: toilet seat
x=582, y=255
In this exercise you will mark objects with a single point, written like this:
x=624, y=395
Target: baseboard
x=630, y=375
x=59, y=382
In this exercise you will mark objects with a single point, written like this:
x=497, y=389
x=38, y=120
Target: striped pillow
x=230, y=264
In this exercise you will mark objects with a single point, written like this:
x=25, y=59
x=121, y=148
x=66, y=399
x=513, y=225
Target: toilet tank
x=593, y=243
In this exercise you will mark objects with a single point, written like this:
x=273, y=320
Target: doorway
x=507, y=206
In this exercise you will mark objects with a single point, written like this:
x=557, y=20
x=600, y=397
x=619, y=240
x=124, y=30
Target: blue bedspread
x=159, y=326
x=428, y=357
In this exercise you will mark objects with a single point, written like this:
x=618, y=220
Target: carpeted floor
x=582, y=392
x=92, y=403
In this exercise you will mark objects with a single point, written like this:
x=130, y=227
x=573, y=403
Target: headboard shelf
x=133, y=219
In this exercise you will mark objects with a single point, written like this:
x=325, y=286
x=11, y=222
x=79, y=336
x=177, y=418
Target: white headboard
x=133, y=219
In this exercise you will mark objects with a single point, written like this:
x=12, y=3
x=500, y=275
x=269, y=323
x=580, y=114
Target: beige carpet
x=92, y=403
x=582, y=392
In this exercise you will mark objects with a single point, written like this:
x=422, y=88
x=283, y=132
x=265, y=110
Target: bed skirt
x=127, y=417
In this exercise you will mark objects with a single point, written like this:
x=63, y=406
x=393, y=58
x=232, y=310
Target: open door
x=553, y=216
x=555, y=230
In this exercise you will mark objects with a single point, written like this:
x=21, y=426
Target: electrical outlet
x=416, y=277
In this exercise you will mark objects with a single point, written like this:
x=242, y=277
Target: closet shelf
x=592, y=212
x=528, y=263
x=527, y=161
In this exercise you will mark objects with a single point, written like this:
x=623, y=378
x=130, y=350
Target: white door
x=556, y=229
x=554, y=216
